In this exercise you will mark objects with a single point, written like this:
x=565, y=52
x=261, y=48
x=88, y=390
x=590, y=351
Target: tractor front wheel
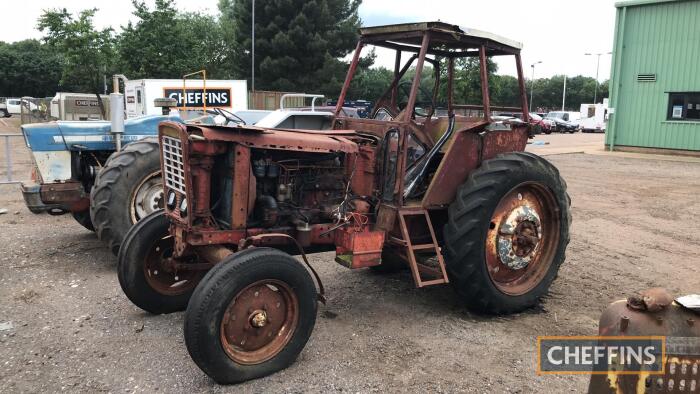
x=144, y=274
x=251, y=315
x=507, y=233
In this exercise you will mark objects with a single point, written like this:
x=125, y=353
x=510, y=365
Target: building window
x=684, y=106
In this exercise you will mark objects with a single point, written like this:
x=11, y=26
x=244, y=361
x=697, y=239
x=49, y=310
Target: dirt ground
x=71, y=328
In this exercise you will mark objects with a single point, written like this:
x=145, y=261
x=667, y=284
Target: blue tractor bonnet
x=89, y=135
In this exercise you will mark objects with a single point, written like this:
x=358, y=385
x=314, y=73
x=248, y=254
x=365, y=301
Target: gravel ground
x=635, y=226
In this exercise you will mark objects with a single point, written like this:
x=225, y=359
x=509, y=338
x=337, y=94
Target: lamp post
x=252, y=52
x=563, y=95
x=597, y=69
x=532, y=81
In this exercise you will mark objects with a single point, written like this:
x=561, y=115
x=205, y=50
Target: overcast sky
x=556, y=32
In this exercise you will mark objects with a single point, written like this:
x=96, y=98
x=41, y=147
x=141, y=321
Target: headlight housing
x=172, y=200
x=183, y=207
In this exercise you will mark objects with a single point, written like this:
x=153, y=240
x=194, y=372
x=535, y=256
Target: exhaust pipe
x=415, y=175
x=116, y=109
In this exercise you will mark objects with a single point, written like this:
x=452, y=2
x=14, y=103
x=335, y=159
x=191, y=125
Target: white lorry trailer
x=594, y=117
x=230, y=95
x=79, y=106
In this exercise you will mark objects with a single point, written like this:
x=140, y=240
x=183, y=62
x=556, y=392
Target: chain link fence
x=36, y=110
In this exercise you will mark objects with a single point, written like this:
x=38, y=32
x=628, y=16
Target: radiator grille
x=174, y=169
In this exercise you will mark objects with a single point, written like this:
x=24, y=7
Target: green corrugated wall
x=661, y=38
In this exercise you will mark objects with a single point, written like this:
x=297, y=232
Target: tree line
x=299, y=46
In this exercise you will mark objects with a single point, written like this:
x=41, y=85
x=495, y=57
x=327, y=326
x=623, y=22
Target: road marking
x=3, y=123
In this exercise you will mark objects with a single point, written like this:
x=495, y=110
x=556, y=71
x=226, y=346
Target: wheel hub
x=518, y=237
x=259, y=321
x=147, y=198
x=161, y=274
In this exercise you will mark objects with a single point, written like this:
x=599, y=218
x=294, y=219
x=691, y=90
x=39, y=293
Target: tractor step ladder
x=437, y=275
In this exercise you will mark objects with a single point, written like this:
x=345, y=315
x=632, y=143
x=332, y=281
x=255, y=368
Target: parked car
x=561, y=121
x=363, y=107
x=14, y=105
x=3, y=108
x=536, y=121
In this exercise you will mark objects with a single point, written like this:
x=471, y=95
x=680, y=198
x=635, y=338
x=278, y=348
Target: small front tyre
x=143, y=273
x=251, y=315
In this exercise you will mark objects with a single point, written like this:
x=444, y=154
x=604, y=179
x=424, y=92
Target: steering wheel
x=231, y=117
x=423, y=108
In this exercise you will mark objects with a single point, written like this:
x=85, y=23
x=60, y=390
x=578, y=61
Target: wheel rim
x=522, y=238
x=147, y=197
x=259, y=321
x=163, y=279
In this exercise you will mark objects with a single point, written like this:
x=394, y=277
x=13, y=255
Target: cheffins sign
x=194, y=97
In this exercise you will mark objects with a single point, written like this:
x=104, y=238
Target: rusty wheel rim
x=522, y=238
x=162, y=278
x=259, y=321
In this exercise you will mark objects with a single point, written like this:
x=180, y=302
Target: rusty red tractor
x=440, y=189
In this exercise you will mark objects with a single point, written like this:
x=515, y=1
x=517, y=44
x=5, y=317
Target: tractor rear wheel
x=128, y=188
x=251, y=315
x=143, y=272
x=507, y=233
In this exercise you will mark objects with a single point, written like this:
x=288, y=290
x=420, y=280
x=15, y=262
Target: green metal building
x=655, y=80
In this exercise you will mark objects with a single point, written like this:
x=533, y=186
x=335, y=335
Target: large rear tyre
x=143, y=275
x=83, y=218
x=251, y=316
x=128, y=188
x=507, y=233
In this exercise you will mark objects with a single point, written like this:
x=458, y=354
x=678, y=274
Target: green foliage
x=300, y=46
x=87, y=54
x=547, y=93
x=167, y=44
x=298, y=43
x=370, y=83
x=504, y=91
x=29, y=69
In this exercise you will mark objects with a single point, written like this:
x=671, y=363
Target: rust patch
x=652, y=300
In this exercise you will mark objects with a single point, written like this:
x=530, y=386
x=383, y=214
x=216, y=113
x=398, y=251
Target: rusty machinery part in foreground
x=655, y=313
x=442, y=187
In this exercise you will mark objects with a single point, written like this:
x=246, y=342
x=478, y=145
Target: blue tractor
x=78, y=170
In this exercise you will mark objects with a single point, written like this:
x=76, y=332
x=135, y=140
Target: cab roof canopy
x=446, y=40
